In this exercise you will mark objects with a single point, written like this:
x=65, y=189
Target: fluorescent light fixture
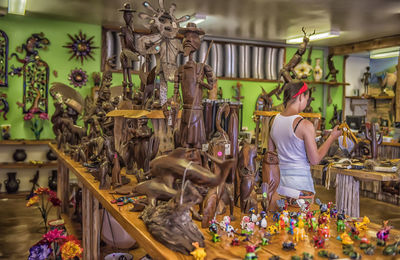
x=16, y=7
x=196, y=18
x=315, y=37
x=384, y=53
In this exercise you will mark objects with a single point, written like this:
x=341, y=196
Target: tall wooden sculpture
x=190, y=76
x=373, y=139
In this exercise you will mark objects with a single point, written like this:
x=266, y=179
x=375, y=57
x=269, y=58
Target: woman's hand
x=336, y=132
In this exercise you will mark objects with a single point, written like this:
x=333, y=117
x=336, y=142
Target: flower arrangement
x=56, y=245
x=46, y=200
x=36, y=119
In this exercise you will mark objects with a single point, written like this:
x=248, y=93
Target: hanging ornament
x=80, y=47
x=78, y=78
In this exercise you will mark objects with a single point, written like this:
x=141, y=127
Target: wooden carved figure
x=270, y=178
x=162, y=42
x=237, y=90
x=190, y=77
x=365, y=80
x=128, y=53
x=375, y=141
x=332, y=70
x=247, y=172
x=264, y=101
x=287, y=72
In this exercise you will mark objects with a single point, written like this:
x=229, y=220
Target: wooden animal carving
x=247, y=172
x=332, y=70
x=287, y=72
x=264, y=101
x=270, y=177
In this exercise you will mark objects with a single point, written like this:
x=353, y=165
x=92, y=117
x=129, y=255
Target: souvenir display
x=81, y=47
x=3, y=59
x=78, y=78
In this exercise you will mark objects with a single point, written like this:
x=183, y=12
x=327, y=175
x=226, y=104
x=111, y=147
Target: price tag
x=227, y=149
x=204, y=147
x=170, y=120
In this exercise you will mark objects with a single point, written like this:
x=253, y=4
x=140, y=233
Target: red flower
x=34, y=110
x=42, y=191
x=44, y=116
x=55, y=201
x=28, y=116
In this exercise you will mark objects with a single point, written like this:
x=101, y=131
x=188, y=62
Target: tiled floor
x=19, y=226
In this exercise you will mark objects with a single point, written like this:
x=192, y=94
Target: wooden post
x=87, y=205
x=344, y=87
x=258, y=118
x=398, y=92
x=63, y=186
x=348, y=195
x=96, y=229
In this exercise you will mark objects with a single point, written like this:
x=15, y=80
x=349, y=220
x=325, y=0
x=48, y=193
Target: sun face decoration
x=78, y=78
x=80, y=47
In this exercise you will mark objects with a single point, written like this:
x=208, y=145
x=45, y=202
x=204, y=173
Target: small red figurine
x=319, y=242
x=324, y=232
x=235, y=241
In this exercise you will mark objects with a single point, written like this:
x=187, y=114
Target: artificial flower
x=55, y=201
x=34, y=110
x=32, y=200
x=44, y=116
x=39, y=252
x=53, y=235
x=28, y=116
x=71, y=249
x=41, y=190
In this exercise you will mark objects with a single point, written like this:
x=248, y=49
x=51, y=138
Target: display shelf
x=26, y=142
x=273, y=113
x=27, y=165
x=150, y=114
x=370, y=97
x=278, y=81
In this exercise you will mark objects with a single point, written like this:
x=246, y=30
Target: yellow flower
x=70, y=249
x=33, y=200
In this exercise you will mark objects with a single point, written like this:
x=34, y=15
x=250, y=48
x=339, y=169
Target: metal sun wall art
x=35, y=73
x=81, y=47
x=78, y=78
x=3, y=59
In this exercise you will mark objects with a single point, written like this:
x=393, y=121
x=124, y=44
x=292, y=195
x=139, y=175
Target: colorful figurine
x=276, y=216
x=265, y=241
x=341, y=226
x=298, y=233
x=263, y=221
x=383, y=234
x=251, y=252
x=244, y=222
x=319, y=242
x=285, y=217
x=322, y=220
x=235, y=241
x=362, y=225
x=391, y=249
x=324, y=232
x=225, y=222
x=292, y=226
x=307, y=256
x=288, y=245
x=282, y=224
x=199, y=253
x=253, y=215
x=313, y=225
x=272, y=229
x=346, y=239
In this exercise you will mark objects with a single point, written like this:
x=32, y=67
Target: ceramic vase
x=51, y=156
x=12, y=183
x=19, y=155
x=53, y=180
x=317, y=70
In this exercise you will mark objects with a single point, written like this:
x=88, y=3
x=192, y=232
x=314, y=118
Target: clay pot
x=12, y=184
x=19, y=155
x=51, y=156
x=53, y=180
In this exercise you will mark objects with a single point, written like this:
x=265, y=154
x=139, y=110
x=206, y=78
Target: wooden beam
x=379, y=43
x=344, y=87
x=398, y=92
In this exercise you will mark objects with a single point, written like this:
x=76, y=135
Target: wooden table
x=92, y=196
x=348, y=185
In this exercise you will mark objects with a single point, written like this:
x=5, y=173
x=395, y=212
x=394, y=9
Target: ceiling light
x=197, y=18
x=384, y=53
x=315, y=37
x=16, y=7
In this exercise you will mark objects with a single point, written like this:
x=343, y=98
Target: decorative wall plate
x=78, y=78
x=80, y=46
x=3, y=59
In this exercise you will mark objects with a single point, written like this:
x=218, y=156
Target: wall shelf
x=370, y=97
x=26, y=142
x=27, y=165
x=276, y=81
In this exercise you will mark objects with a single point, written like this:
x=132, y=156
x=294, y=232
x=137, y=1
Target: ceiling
x=267, y=20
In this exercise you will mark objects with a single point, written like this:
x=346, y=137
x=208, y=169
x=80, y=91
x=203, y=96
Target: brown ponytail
x=291, y=89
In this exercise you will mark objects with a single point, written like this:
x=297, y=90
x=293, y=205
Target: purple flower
x=28, y=116
x=39, y=252
x=44, y=116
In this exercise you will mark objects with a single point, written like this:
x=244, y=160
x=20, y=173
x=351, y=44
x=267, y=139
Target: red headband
x=301, y=90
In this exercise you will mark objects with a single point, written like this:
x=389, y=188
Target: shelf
x=370, y=97
x=27, y=165
x=26, y=142
x=273, y=113
x=276, y=81
x=150, y=114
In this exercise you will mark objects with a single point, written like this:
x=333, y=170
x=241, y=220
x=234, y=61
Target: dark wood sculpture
x=3, y=59
x=247, y=173
x=365, y=80
x=371, y=135
x=287, y=72
x=129, y=52
x=335, y=118
x=270, y=178
x=238, y=97
x=264, y=101
x=332, y=70
x=190, y=76
x=233, y=133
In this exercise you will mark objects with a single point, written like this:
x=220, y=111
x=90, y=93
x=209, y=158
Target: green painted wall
x=19, y=28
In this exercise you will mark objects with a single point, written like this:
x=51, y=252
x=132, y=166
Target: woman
x=293, y=137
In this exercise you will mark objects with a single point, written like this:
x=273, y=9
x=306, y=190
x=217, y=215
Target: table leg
x=63, y=186
x=91, y=225
x=96, y=229
x=348, y=195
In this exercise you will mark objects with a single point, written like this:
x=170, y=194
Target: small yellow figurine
x=346, y=239
x=199, y=253
x=362, y=225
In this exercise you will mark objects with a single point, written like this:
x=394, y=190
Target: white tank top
x=291, y=150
